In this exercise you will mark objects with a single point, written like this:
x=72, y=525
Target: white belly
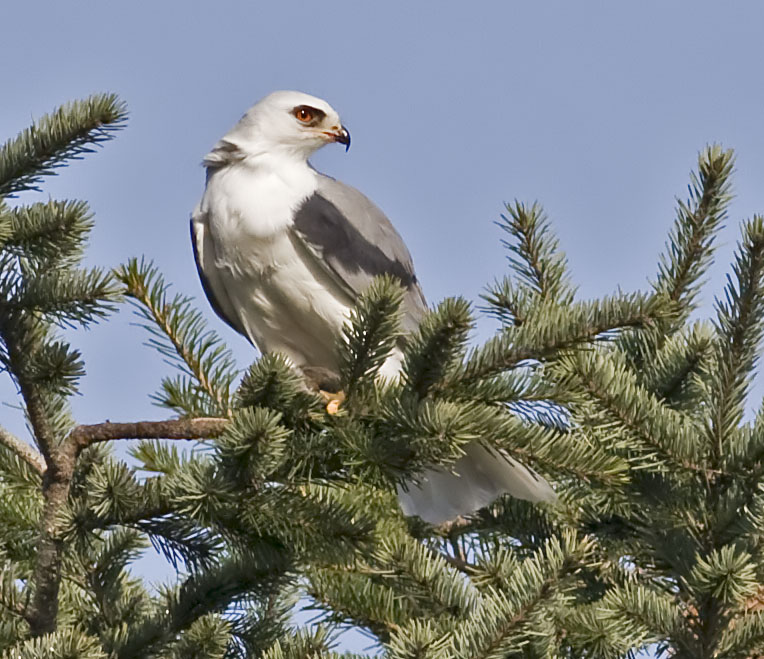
x=289, y=305
x=283, y=298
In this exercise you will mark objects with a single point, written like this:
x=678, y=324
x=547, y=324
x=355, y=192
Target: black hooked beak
x=343, y=137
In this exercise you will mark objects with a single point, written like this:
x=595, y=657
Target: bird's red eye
x=305, y=115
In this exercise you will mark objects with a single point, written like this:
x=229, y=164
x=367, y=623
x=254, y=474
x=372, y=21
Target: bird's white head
x=287, y=123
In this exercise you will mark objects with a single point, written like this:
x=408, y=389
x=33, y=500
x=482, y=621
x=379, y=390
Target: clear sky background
x=596, y=109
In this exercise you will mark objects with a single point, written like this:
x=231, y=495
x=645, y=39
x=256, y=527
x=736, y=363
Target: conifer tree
x=635, y=413
x=686, y=531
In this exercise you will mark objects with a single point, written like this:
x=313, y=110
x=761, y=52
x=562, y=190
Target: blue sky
x=596, y=109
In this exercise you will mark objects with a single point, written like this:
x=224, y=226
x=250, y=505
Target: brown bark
x=43, y=613
x=171, y=429
x=61, y=459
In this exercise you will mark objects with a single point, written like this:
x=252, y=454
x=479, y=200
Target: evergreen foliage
x=635, y=412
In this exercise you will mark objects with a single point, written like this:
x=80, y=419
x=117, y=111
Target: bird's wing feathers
x=353, y=239
x=205, y=265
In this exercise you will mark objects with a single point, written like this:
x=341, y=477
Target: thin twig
x=204, y=428
x=25, y=451
x=459, y=555
x=462, y=565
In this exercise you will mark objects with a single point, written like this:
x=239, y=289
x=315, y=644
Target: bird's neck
x=292, y=169
x=277, y=159
x=281, y=159
x=259, y=153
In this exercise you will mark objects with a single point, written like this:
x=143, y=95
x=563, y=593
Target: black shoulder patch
x=343, y=245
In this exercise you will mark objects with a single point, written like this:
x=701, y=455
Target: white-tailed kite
x=283, y=252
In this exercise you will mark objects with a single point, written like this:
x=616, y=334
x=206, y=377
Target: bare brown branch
x=25, y=451
x=56, y=481
x=86, y=435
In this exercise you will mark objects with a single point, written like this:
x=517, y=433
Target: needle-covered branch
x=554, y=329
x=657, y=431
x=51, y=232
x=690, y=246
x=370, y=334
x=67, y=133
x=210, y=591
x=538, y=263
x=179, y=333
x=437, y=347
x=740, y=326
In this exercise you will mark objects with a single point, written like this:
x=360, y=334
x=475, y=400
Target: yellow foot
x=333, y=401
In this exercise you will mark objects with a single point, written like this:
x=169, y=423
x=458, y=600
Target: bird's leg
x=333, y=400
x=326, y=382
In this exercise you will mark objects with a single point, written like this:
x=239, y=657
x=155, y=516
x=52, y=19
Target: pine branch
x=272, y=382
x=664, y=434
x=426, y=576
x=728, y=575
x=554, y=329
x=429, y=433
x=158, y=456
x=254, y=445
x=510, y=611
x=208, y=637
x=55, y=368
x=628, y=618
x=740, y=326
x=11, y=598
x=318, y=529
x=402, y=579
x=353, y=598
x=68, y=296
x=508, y=303
x=690, y=245
x=744, y=637
x=303, y=644
x=120, y=548
x=26, y=452
x=370, y=334
x=53, y=232
x=6, y=223
x=63, y=644
x=61, y=464
x=673, y=369
x=180, y=333
x=539, y=265
x=211, y=590
x=70, y=131
x=572, y=452
x=263, y=623
x=526, y=390
x=206, y=428
x=420, y=638
x=437, y=345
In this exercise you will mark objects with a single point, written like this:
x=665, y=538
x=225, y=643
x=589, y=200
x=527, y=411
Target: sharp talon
x=333, y=401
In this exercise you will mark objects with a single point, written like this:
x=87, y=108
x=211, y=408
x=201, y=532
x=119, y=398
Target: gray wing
x=204, y=255
x=356, y=242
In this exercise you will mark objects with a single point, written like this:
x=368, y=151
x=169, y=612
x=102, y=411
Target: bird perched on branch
x=283, y=252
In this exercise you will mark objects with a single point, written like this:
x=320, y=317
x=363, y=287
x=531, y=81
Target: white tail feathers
x=476, y=480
